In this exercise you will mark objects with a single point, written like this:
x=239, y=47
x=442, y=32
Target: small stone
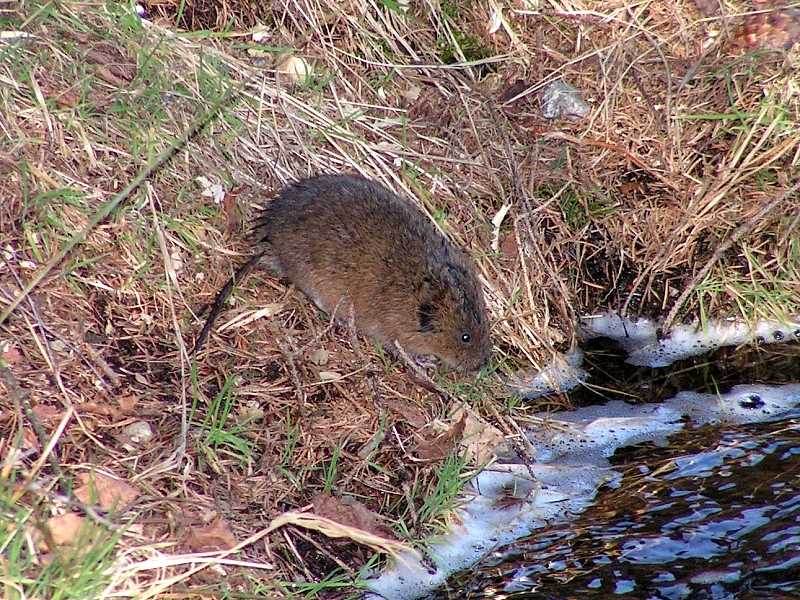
x=294, y=68
x=58, y=345
x=560, y=99
x=251, y=411
x=138, y=432
x=319, y=357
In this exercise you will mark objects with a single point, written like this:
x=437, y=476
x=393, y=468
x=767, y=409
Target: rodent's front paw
x=425, y=361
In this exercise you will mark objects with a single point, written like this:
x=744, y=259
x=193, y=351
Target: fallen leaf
x=112, y=65
x=215, y=191
x=108, y=492
x=64, y=529
x=409, y=412
x=106, y=75
x=248, y=316
x=350, y=513
x=479, y=439
x=29, y=439
x=495, y=21
x=250, y=411
x=230, y=209
x=14, y=36
x=260, y=33
x=127, y=405
x=100, y=408
x=707, y=8
x=631, y=188
x=497, y=221
x=437, y=448
x=47, y=414
x=508, y=245
x=213, y=536
x=11, y=354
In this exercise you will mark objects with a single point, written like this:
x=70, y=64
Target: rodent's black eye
x=466, y=338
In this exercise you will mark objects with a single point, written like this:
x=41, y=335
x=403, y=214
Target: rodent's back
x=351, y=244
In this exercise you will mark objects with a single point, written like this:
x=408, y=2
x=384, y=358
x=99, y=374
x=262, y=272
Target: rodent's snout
x=483, y=361
x=475, y=361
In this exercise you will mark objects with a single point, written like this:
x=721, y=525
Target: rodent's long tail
x=219, y=301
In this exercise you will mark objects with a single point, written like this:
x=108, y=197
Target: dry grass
x=689, y=138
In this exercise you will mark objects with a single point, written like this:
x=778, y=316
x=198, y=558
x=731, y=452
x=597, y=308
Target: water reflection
x=720, y=518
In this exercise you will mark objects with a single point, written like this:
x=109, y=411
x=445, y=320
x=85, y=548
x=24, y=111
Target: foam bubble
x=639, y=338
x=561, y=375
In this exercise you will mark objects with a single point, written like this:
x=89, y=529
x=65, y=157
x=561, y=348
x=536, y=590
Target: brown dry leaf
x=29, y=439
x=231, y=212
x=479, y=438
x=409, y=412
x=100, y=408
x=508, y=245
x=350, y=513
x=109, y=77
x=107, y=491
x=67, y=99
x=112, y=66
x=211, y=537
x=631, y=188
x=64, y=529
x=11, y=354
x=127, y=405
x=47, y=414
x=437, y=448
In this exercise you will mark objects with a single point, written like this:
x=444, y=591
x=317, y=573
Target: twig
x=738, y=233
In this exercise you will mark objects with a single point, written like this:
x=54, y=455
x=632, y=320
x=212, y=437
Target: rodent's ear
x=425, y=316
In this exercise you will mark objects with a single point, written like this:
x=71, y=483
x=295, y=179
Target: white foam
x=508, y=501
x=640, y=340
x=742, y=404
x=561, y=375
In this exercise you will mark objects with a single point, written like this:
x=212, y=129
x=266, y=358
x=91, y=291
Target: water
x=714, y=515
x=719, y=521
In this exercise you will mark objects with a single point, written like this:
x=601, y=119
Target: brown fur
x=355, y=247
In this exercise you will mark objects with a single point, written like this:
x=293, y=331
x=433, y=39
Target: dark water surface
x=715, y=515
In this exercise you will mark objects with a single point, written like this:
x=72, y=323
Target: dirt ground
x=667, y=197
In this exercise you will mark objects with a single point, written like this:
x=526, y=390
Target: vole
x=356, y=248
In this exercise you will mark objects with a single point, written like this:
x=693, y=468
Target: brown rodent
x=356, y=248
